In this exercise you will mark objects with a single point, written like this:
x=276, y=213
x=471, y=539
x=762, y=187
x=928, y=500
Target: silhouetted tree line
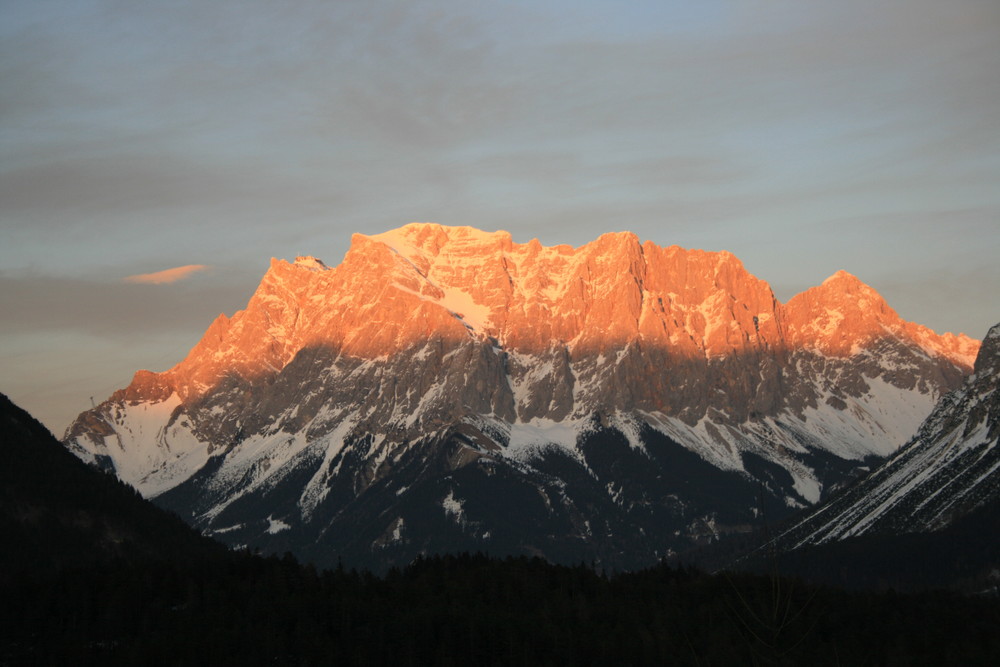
x=472, y=609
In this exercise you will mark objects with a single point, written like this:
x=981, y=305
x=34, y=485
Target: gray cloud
x=115, y=310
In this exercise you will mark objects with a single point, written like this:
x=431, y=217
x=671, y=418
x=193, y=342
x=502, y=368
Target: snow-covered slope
x=617, y=397
x=951, y=467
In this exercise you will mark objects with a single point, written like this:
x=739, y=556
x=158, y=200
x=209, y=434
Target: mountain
x=445, y=389
x=57, y=513
x=948, y=470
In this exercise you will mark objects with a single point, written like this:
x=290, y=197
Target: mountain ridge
x=458, y=346
x=802, y=320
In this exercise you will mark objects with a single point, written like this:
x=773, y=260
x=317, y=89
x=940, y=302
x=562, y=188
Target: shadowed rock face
x=452, y=344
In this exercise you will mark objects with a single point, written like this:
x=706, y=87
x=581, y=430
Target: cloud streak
x=167, y=275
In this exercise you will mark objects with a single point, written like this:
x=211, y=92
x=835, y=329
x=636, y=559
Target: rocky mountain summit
x=447, y=388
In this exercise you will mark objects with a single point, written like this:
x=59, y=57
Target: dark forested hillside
x=93, y=575
x=464, y=610
x=56, y=512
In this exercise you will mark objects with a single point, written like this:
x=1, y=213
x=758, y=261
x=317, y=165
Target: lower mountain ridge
x=950, y=469
x=926, y=518
x=445, y=389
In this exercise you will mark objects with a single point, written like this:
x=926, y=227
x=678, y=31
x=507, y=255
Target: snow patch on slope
x=717, y=446
x=311, y=263
x=904, y=482
x=454, y=507
x=456, y=300
x=879, y=422
x=465, y=307
x=526, y=438
x=331, y=445
x=275, y=525
x=149, y=451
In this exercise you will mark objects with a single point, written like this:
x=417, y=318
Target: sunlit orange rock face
x=686, y=330
x=422, y=326
x=843, y=314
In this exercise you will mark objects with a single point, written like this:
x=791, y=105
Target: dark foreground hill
x=58, y=513
x=95, y=576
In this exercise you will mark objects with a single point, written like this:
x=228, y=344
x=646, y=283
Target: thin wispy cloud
x=167, y=275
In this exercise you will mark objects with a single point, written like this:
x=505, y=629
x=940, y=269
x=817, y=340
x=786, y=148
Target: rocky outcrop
x=448, y=344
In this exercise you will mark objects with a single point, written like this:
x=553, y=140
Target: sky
x=154, y=156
